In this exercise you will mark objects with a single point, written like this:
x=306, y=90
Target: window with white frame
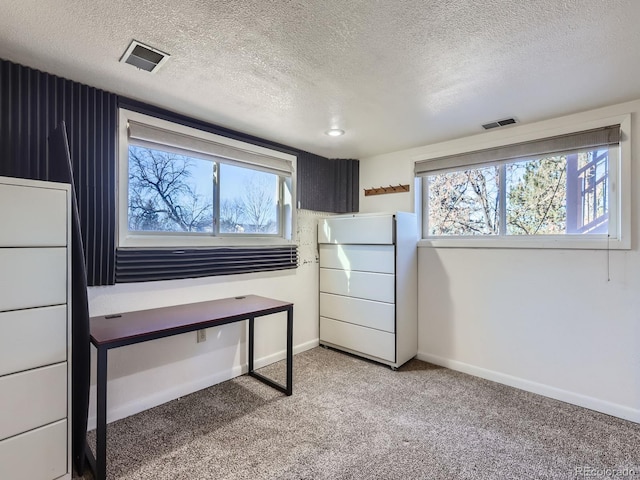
x=563, y=191
x=179, y=186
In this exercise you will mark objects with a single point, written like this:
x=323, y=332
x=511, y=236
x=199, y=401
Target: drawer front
x=32, y=338
x=367, y=313
x=38, y=454
x=32, y=277
x=371, y=286
x=33, y=398
x=32, y=216
x=359, y=339
x=374, y=229
x=364, y=258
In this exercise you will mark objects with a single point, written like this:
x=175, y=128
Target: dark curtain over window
x=32, y=103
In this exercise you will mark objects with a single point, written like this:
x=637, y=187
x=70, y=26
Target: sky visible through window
x=172, y=192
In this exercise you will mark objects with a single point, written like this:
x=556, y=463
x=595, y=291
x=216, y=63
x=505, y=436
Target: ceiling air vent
x=499, y=123
x=144, y=57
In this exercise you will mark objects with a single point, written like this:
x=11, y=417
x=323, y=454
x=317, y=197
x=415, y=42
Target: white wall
x=148, y=374
x=562, y=323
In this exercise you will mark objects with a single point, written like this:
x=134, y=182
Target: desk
x=114, y=331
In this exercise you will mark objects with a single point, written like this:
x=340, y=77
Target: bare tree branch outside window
x=464, y=202
x=162, y=194
x=174, y=193
x=536, y=197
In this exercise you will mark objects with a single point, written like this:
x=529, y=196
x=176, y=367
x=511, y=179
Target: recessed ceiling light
x=334, y=132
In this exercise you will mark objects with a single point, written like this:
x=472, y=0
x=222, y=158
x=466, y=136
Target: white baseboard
x=578, y=399
x=276, y=357
x=156, y=398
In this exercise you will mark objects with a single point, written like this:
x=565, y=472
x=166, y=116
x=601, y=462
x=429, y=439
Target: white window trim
x=620, y=185
x=127, y=239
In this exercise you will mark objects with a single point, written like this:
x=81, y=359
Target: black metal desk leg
x=289, y=351
x=288, y=387
x=101, y=414
x=251, y=327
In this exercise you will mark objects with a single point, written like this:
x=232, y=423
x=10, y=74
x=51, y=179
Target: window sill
x=565, y=242
x=200, y=241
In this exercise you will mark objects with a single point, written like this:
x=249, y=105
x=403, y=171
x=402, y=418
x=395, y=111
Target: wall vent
x=499, y=123
x=144, y=57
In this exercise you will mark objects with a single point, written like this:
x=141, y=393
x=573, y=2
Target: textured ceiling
x=393, y=74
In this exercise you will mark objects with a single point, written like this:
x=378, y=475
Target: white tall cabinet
x=35, y=330
x=368, y=285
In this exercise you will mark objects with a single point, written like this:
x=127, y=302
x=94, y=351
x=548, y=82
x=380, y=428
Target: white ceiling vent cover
x=499, y=123
x=144, y=57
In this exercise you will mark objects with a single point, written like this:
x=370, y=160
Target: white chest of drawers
x=35, y=343
x=368, y=285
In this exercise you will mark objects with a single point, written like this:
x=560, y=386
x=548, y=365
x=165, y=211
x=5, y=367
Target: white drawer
x=358, y=339
x=372, y=286
x=32, y=277
x=367, y=313
x=40, y=454
x=33, y=398
x=32, y=338
x=32, y=216
x=365, y=258
x=374, y=229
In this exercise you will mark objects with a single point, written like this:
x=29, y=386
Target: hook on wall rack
x=385, y=190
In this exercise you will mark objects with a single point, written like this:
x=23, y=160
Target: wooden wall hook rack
x=385, y=190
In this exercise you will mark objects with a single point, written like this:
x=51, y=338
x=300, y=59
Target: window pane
x=562, y=194
x=536, y=196
x=591, y=181
x=248, y=201
x=464, y=203
x=169, y=192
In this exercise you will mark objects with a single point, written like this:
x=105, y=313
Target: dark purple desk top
x=166, y=321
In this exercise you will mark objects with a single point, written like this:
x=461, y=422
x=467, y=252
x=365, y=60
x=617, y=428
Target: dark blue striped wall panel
x=347, y=184
x=32, y=103
x=328, y=185
x=145, y=265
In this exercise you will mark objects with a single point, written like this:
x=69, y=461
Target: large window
x=184, y=187
x=562, y=191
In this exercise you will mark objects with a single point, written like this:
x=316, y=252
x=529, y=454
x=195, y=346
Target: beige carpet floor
x=353, y=419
